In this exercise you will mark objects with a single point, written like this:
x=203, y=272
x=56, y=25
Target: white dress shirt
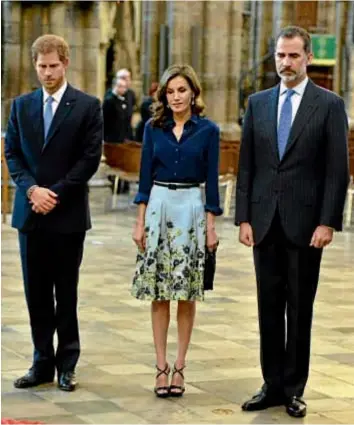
x=295, y=98
x=57, y=96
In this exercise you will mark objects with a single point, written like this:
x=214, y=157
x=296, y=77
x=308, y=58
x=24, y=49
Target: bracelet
x=31, y=190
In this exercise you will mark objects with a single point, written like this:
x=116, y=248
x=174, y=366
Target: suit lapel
x=36, y=116
x=272, y=106
x=64, y=108
x=307, y=107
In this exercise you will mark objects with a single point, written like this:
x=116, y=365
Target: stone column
x=74, y=36
x=153, y=14
x=91, y=39
x=230, y=129
x=331, y=17
x=341, y=18
x=11, y=60
x=215, y=66
x=322, y=15
x=350, y=46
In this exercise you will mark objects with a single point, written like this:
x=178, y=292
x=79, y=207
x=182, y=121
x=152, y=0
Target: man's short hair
x=49, y=43
x=294, y=31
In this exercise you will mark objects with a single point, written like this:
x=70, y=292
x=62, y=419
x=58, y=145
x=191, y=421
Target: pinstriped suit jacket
x=309, y=184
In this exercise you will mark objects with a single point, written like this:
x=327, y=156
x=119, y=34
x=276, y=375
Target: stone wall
x=217, y=51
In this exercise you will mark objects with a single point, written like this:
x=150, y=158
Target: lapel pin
x=67, y=103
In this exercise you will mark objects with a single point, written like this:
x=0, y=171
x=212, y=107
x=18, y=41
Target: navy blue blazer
x=64, y=163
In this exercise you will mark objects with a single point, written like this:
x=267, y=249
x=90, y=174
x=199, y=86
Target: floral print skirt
x=172, y=266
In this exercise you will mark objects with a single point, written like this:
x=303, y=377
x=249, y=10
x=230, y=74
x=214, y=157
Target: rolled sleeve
x=145, y=178
x=212, y=180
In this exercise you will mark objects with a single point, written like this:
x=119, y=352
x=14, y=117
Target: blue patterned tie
x=285, y=123
x=48, y=115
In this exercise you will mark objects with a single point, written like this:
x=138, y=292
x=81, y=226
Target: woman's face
x=179, y=95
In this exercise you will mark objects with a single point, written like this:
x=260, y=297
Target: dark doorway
x=110, y=71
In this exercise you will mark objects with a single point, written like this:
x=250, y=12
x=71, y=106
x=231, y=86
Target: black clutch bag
x=209, y=270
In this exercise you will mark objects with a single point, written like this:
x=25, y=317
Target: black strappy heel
x=181, y=389
x=162, y=392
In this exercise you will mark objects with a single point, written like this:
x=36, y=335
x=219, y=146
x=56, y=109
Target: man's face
x=50, y=71
x=121, y=87
x=291, y=60
x=127, y=78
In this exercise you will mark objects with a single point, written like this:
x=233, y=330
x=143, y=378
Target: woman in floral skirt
x=174, y=227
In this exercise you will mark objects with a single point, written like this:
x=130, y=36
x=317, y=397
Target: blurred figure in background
x=145, y=112
x=130, y=96
x=116, y=121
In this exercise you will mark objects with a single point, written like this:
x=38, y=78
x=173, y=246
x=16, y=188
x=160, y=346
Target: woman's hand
x=139, y=236
x=211, y=239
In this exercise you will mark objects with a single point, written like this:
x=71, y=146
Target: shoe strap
x=165, y=371
x=180, y=371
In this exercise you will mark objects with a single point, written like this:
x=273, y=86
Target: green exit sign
x=324, y=49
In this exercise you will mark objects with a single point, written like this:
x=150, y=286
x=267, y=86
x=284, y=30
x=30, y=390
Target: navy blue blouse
x=194, y=159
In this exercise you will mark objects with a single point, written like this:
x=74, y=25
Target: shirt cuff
x=141, y=198
x=214, y=210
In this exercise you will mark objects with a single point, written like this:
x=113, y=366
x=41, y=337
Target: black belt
x=174, y=186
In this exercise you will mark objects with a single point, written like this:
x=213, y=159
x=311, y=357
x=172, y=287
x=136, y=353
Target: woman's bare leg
x=160, y=316
x=185, y=322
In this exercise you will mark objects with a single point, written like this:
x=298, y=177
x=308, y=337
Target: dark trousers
x=50, y=266
x=287, y=278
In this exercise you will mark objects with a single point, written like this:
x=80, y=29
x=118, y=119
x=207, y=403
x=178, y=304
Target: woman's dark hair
x=159, y=107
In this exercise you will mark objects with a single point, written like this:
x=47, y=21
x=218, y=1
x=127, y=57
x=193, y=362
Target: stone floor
x=116, y=368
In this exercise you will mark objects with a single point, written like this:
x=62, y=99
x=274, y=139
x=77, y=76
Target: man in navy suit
x=53, y=147
x=291, y=187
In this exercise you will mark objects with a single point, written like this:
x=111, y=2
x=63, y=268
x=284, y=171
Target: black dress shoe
x=296, y=407
x=262, y=400
x=67, y=381
x=32, y=379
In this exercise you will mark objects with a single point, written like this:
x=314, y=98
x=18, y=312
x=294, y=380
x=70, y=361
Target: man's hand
x=322, y=236
x=43, y=200
x=246, y=234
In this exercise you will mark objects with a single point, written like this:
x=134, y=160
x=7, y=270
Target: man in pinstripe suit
x=291, y=187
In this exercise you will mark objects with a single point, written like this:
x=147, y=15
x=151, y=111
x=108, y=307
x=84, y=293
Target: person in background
x=180, y=151
x=145, y=112
x=291, y=187
x=130, y=96
x=116, y=121
x=53, y=147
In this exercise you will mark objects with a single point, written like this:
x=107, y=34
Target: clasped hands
x=43, y=200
